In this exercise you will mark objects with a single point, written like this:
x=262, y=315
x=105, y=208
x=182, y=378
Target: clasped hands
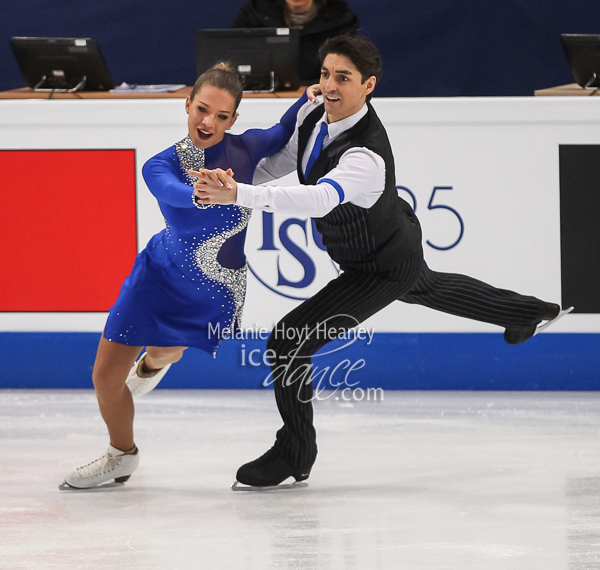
x=214, y=186
x=218, y=186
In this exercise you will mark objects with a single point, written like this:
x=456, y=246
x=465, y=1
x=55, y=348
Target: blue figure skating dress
x=187, y=287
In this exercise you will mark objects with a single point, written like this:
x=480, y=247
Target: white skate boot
x=139, y=385
x=114, y=464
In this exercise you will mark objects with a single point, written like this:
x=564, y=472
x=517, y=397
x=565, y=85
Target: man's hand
x=214, y=186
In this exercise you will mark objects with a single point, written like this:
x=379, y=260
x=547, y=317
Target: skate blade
x=64, y=486
x=237, y=486
x=560, y=315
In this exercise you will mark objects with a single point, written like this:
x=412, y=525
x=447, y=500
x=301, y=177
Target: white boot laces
x=98, y=467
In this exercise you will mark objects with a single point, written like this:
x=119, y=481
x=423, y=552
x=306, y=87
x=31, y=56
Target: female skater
x=189, y=275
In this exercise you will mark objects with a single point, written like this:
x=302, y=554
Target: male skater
x=346, y=169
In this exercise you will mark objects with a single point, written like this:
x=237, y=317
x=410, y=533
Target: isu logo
x=287, y=255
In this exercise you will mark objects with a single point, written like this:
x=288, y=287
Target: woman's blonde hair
x=222, y=76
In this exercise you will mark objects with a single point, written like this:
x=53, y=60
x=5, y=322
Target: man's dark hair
x=360, y=50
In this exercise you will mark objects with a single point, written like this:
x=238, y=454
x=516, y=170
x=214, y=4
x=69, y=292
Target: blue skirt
x=158, y=306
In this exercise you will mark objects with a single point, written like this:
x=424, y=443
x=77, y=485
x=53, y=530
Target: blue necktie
x=317, y=148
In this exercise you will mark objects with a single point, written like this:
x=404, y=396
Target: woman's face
x=210, y=114
x=299, y=6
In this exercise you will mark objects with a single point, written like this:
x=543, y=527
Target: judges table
x=501, y=186
x=570, y=90
x=28, y=93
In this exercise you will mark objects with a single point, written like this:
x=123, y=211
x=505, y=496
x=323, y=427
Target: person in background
x=318, y=20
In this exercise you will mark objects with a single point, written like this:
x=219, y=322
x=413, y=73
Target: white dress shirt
x=359, y=176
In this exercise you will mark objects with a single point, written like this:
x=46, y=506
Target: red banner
x=69, y=223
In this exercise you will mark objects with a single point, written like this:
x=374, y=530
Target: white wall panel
x=496, y=157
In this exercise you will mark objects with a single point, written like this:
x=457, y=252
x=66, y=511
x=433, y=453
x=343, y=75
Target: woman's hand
x=214, y=186
x=312, y=92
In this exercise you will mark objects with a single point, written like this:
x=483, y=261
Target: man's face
x=341, y=84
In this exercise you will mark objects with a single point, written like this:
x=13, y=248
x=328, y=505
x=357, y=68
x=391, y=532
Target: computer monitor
x=583, y=54
x=62, y=64
x=266, y=59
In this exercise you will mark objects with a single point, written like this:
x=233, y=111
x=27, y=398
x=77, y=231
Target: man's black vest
x=371, y=239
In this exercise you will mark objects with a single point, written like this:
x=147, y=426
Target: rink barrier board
x=499, y=186
x=393, y=361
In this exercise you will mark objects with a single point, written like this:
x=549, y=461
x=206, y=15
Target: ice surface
x=421, y=480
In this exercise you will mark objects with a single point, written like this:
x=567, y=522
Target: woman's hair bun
x=224, y=65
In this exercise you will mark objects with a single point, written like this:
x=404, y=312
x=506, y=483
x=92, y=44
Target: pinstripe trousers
x=349, y=300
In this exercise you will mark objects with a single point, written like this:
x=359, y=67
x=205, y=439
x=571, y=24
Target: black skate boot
x=268, y=472
x=551, y=313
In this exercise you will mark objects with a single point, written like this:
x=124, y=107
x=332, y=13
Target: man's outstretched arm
x=359, y=172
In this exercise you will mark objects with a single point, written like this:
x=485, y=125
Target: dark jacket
x=372, y=239
x=335, y=19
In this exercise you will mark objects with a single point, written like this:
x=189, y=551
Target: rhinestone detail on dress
x=234, y=279
x=204, y=253
x=191, y=158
